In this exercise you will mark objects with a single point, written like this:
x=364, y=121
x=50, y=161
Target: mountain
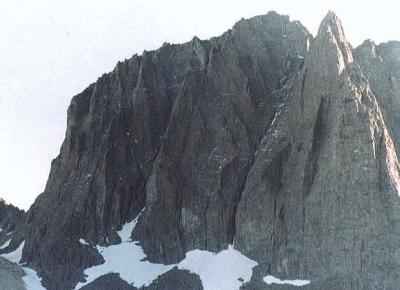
x=234, y=162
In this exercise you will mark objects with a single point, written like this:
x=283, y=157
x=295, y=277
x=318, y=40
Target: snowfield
x=220, y=271
x=127, y=260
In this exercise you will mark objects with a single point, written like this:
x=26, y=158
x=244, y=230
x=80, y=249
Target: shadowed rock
x=172, y=280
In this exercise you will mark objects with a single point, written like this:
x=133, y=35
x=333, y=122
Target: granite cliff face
x=281, y=144
x=381, y=65
x=333, y=195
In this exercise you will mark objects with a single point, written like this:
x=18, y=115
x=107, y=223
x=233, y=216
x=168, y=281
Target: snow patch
x=226, y=270
x=31, y=279
x=272, y=280
x=273, y=120
x=6, y=244
x=127, y=259
x=16, y=255
x=83, y=242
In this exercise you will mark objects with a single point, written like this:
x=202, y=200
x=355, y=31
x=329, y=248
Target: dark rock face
x=110, y=281
x=10, y=218
x=176, y=280
x=283, y=145
x=216, y=124
x=172, y=280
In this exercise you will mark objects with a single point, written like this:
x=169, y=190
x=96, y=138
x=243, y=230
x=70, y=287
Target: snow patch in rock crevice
x=31, y=280
x=226, y=270
x=83, y=242
x=6, y=244
x=272, y=280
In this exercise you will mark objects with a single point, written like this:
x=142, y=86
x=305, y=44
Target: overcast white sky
x=51, y=50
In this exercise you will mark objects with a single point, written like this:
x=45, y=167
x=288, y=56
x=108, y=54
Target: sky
x=50, y=50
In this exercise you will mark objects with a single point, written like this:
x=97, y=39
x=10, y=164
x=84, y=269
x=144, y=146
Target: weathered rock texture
x=350, y=184
x=381, y=65
x=110, y=281
x=217, y=121
x=10, y=276
x=265, y=138
x=176, y=279
x=333, y=207
x=10, y=218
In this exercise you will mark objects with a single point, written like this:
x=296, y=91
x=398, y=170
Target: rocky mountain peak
x=326, y=59
x=331, y=33
x=332, y=24
x=369, y=50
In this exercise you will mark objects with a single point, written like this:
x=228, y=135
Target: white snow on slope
x=220, y=271
x=83, y=242
x=272, y=280
x=6, y=244
x=31, y=279
x=15, y=256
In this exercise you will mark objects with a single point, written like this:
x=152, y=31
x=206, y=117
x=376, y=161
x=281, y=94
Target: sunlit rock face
x=381, y=65
x=264, y=145
x=333, y=194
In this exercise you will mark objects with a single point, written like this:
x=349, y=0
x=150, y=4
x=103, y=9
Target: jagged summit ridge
x=281, y=144
x=174, y=131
